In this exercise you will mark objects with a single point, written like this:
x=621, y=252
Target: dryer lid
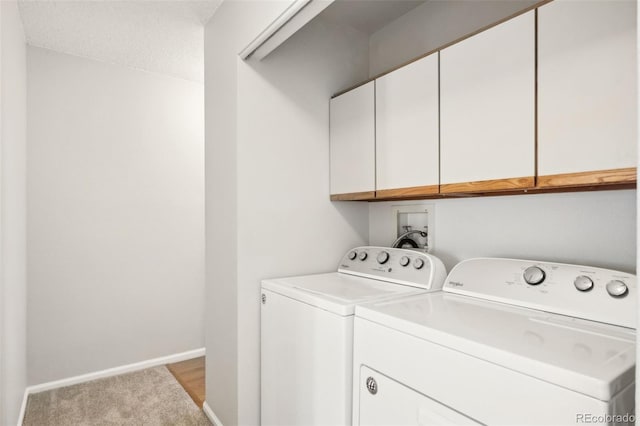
x=592, y=358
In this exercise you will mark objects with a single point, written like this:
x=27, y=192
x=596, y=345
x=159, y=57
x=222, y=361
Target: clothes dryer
x=506, y=342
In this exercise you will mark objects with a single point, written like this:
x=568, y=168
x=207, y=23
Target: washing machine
x=506, y=342
x=307, y=330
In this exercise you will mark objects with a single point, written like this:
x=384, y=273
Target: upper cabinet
x=587, y=110
x=544, y=101
x=487, y=90
x=407, y=131
x=352, y=144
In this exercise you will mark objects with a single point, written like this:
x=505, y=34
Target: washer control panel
x=579, y=291
x=401, y=266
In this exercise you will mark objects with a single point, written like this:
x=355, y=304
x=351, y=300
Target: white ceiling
x=368, y=16
x=152, y=35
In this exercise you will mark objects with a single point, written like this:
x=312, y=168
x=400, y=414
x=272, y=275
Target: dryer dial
x=583, y=283
x=533, y=275
x=617, y=288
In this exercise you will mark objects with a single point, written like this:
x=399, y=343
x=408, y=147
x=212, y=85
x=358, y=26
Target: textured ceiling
x=158, y=36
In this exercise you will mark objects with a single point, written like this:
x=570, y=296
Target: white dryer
x=506, y=342
x=307, y=331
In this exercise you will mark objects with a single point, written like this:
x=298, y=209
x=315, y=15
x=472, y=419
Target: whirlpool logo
x=456, y=284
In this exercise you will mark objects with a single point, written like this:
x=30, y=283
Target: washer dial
x=383, y=257
x=404, y=261
x=418, y=263
x=363, y=256
x=353, y=255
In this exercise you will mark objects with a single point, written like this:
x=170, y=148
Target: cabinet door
x=587, y=111
x=487, y=85
x=352, y=145
x=407, y=134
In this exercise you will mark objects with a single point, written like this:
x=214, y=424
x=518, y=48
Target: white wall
x=589, y=228
x=286, y=223
x=433, y=25
x=13, y=285
x=115, y=215
x=232, y=27
x=283, y=222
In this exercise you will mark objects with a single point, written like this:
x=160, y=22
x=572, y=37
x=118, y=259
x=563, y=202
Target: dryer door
x=383, y=401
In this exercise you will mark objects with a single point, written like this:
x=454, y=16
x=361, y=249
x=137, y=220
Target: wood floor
x=190, y=374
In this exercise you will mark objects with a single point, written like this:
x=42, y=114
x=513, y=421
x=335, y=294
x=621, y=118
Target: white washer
x=307, y=331
x=505, y=342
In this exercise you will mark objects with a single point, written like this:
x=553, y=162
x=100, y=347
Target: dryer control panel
x=400, y=266
x=586, y=292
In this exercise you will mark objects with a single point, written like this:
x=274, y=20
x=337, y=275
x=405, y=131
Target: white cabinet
x=407, y=133
x=587, y=91
x=547, y=99
x=352, y=143
x=487, y=90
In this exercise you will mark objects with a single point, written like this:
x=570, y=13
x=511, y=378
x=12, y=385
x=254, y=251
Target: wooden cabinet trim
x=413, y=191
x=354, y=196
x=488, y=185
x=614, y=179
x=598, y=177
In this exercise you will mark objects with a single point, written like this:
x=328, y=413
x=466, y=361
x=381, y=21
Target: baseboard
x=23, y=407
x=115, y=371
x=211, y=415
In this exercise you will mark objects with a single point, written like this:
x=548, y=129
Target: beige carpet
x=146, y=397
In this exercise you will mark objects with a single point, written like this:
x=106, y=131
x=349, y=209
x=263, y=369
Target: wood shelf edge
x=410, y=191
x=488, y=185
x=600, y=180
x=593, y=178
x=354, y=196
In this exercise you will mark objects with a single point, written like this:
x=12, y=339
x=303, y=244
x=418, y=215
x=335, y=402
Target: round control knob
x=533, y=275
x=583, y=283
x=418, y=263
x=353, y=255
x=383, y=257
x=617, y=288
x=404, y=261
x=363, y=255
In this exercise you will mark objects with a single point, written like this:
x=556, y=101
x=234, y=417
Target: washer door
x=383, y=401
